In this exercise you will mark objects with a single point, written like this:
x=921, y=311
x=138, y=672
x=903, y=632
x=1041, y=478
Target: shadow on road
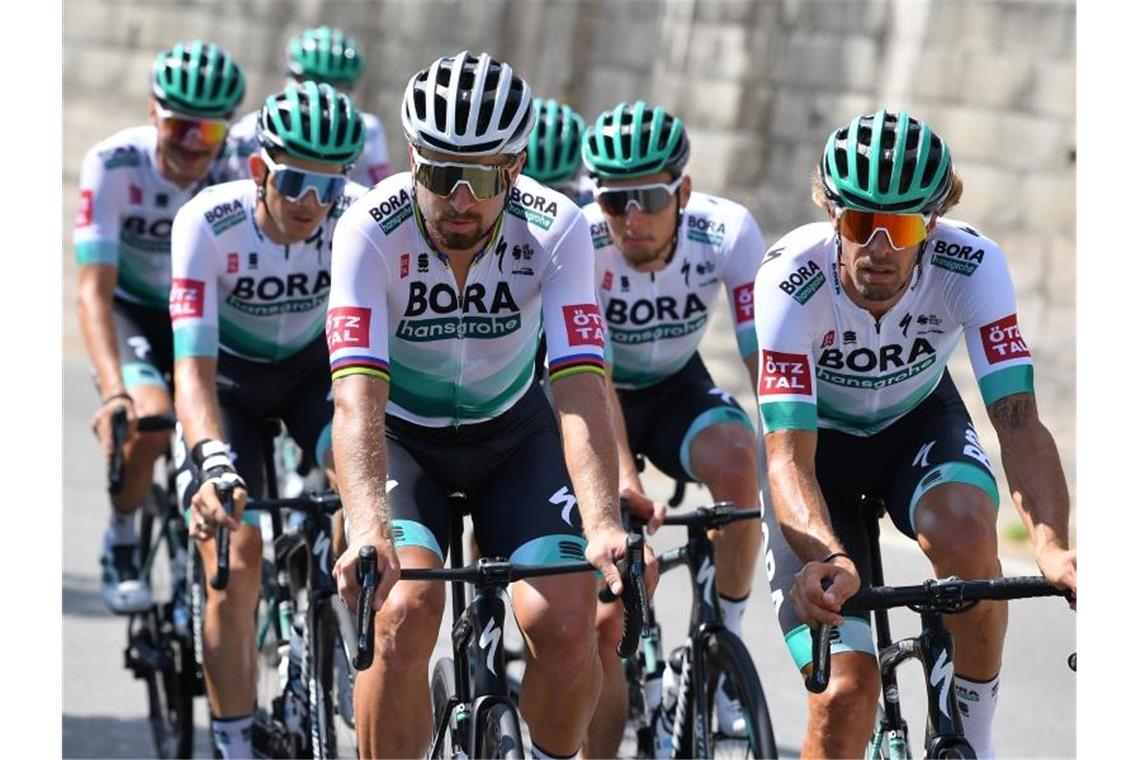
x=106, y=736
x=81, y=598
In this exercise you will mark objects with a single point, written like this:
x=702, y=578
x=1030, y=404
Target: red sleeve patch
x=186, y=298
x=784, y=373
x=743, y=303
x=584, y=325
x=86, y=213
x=347, y=327
x=1002, y=340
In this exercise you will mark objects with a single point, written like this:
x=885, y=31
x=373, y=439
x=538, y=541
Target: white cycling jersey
x=825, y=362
x=235, y=288
x=655, y=320
x=126, y=209
x=370, y=167
x=452, y=359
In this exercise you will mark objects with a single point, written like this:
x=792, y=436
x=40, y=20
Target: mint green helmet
x=311, y=121
x=325, y=54
x=554, y=150
x=197, y=79
x=887, y=162
x=634, y=140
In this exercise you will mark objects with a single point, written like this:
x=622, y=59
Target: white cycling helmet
x=473, y=106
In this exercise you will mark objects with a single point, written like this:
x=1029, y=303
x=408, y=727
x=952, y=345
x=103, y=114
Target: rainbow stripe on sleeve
x=576, y=364
x=360, y=365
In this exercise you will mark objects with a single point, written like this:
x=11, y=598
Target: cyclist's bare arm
x=96, y=288
x=196, y=398
x=628, y=477
x=1037, y=483
x=361, y=457
x=590, y=448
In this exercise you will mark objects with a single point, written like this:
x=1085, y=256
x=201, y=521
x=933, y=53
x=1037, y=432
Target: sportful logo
x=782, y=373
x=489, y=640
x=186, y=297
x=347, y=327
x=1002, y=340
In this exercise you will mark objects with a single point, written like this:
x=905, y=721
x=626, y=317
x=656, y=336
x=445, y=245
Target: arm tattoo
x=1013, y=412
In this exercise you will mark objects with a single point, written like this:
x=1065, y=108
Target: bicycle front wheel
x=445, y=742
x=501, y=735
x=331, y=721
x=726, y=660
x=170, y=693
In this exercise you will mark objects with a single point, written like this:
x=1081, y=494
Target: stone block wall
x=760, y=84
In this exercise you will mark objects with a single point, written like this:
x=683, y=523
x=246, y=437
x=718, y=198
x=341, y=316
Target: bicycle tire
x=501, y=734
x=725, y=654
x=170, y=694
x=332, y=736
x=442, y=691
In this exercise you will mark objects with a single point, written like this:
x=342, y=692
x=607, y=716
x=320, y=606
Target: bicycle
x=473, y=711
x=933, y=647
x=710, y=652
x=304, y=632
x=160, y=646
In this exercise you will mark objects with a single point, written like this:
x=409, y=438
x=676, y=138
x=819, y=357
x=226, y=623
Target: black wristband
x=123, y=395
x=836, y=555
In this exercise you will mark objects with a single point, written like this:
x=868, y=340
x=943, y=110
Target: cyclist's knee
x=956, y=527
x=145, y=448
x=610, y=625
x=408, y=623
x=852, y=694
x=563, y=636
x=726, y=458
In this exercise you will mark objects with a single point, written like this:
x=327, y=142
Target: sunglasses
x=649, y=199
x=294, y=183
x=902, y=230
x=444, y=177
x=183, y=128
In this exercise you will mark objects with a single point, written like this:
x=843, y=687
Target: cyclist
x=247, y=304
x=324, y=55
x=856, y=319
x=130, y=186
x=441, y=278
x=661, y=253
x=554, y=150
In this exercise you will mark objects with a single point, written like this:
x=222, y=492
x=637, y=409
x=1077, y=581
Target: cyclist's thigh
x=526, y=510
x=942, y=447
x=145, y=348
x=308, y=414
x=417, y=500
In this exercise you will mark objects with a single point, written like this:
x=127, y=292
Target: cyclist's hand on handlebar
x=387, y=568
x=640, y=505
x=1059, y=566
x=818, y=602
x=101, y=421
x=207, y=511
x=606, y=546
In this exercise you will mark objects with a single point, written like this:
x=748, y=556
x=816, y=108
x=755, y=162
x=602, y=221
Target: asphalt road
x=104, y=708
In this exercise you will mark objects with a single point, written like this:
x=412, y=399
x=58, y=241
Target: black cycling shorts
x=511, y=468
x=295, y=390
x=930, y=445
x=662, y=420
x=145, y=344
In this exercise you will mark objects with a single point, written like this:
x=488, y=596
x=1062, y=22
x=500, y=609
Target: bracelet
x=835, y=555
x=123, y=395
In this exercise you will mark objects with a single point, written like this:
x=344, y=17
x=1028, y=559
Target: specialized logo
x=502, y=313
x=962, y=259
x=1002, y=340
x=703, y=230
x=186, y=298
x=705, y=576
x=562, y=497
x=803, y=283
x=743, y=301
x=889, y=359
x=533, y=208
x=139, y=345
x=405, y=261
x=86, y=213
x=584, y=326
x=782, y=373
x=225, y=215
x=347, y=327
x=489, y=640
x=922, y=455
x=664, y=318
x=290, y=294
x=942, y=673
x=393, y=212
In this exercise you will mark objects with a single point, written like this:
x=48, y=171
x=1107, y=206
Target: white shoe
x=729, y=713
x=123, y=590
